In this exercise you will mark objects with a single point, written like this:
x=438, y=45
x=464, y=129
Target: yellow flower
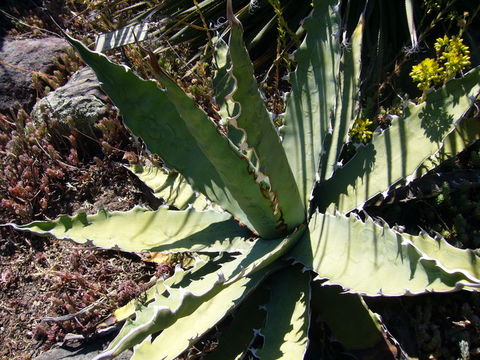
x=360, y=132
x=428, y=73
x=453, y=54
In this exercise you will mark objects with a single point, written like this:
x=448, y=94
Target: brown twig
x=19, y=68
x=74, y=315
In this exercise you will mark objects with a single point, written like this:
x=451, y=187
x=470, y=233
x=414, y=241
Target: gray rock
x=80, y=98
x=80, y=352
x=32, y=55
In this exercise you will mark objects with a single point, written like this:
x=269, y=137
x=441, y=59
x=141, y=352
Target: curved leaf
x=174, y=128
x=253, y=258
x=448, y=256
x=348, y=316
x=369, y=259
x=397, y=152
x=223, y=83
x=140, y=229
x=189, y=328
x=311, y=103
x=259, y=133
x=347, y=103
x=238, y=335
x=180, y=278
x=170, y=300
x=288, y=316
x=170, y=186
x=235, y=169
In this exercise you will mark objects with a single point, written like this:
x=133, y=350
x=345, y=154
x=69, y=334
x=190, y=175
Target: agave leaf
x=238, y=335
x=223, y=86
x=167, y=231
x=223, y=83
x=171, y=187
x=368, y=259
x=448, y=256
x=190, y=328
x=197, y=284
x=348, y=316
x=259, y=133
x=180, y=277
x=288, y=316
x=235, y=169
x=173, y=127
x=140, y=229
x=397, y=152
x=466, y=132
x=311, y=103
x=346, y=110
x=252, y=258
x=162, y=312
x=263, y=253
x=150, y=115
x=170, y=300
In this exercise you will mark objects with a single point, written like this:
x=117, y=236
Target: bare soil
x=42, y=280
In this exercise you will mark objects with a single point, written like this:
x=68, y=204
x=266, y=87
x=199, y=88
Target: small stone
x=79, y=103
x=19, y=59
x=82, y=352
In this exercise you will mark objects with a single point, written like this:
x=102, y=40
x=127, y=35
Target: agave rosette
x=272, y=209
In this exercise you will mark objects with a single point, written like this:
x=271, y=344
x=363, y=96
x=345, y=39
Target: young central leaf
x=260, y=135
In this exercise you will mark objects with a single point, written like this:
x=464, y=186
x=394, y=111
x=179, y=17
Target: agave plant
x=270, y=214
x=390, y=27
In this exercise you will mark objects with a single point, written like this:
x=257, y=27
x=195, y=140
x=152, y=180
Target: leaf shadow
x=328, y=192
x=436, y=122
x=216, y=233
